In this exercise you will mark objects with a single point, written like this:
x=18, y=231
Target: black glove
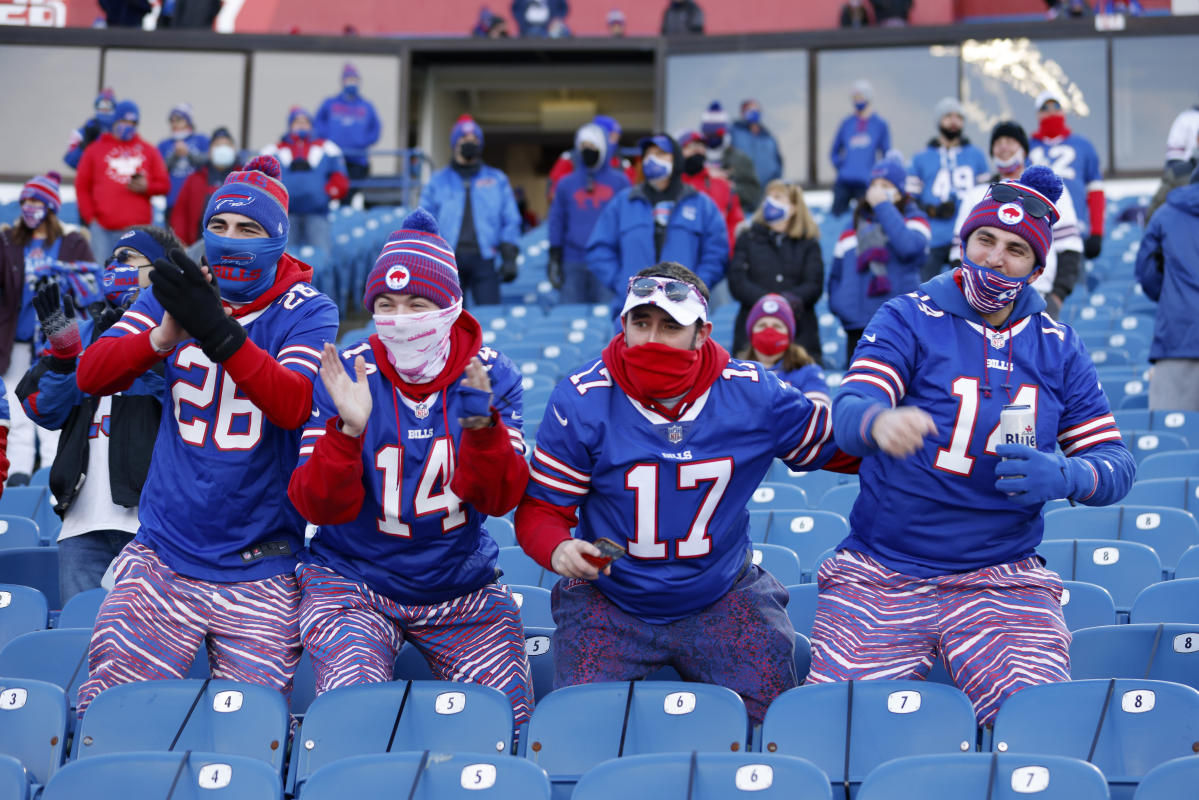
x=300, y=165
x=57, y=316
x=508, y=270
x=195, y=303
x=947, y=210
x=106, y=317
x=91, y=132
x=1093, y=245
x=553, y=269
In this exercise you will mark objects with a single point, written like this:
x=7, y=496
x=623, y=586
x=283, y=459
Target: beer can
x=1018, y=425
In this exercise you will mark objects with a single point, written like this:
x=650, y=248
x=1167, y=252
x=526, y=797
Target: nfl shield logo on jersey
x=675, y=434
x=421, y=410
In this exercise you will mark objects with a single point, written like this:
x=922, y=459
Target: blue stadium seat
x=34, y=503
x=808, y=533
x=1111, y=357
x=704, y=776
x=840, y=499
x=502, y=531
x=521, y=569
x=1169, y=492
x=1006, y=776
x=1086, y=605
x=1123, y=568
x=1135, y=402
x=54, y=656
x=1158, y=651
x=779, y=561
x=18, y=532
x=303, y=687
x=1125, y=727
x=820, y=559
x=1173, y=464
x=1146, y=443
x=154, y=776
x=1168, y=601
x=1188, y=564
x=1169, y=531
x=1169, y=781
x=1182, y=422
x=539, y=644
x=429, y=776
x=778, y=496
x=534, y=605
x=33, y=725
x=32, y=566
x=40, y=477
x=81, y=610
x=398, y=716
x=815, y=484
x=890, y=719
x=801, y=607
x=1117, y=390
x=14, y=782
x=759, y=524
x=577, y=727
x=22, y=609
x=802, y=656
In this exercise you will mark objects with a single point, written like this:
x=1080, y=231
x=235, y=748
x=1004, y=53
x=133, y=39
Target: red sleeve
x=3, y=456
x=83, y=186
x=1096, y=205
x=735, y=216
x=112, y=363
x=490, y=475
x=541, y=527
x=327, y=488
x=843, y=462
x=284, y=395
x=157, y=181
x=337, y=186
x=183, y=217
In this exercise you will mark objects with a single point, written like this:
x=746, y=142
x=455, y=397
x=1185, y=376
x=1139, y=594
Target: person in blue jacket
x=862, y=140
x=880, y=255
x=476, y=213
x=350, y=121
x=578, y=201
x=660, y=219
x=751, y=137
x=1168, y=270
x=184, y=151
x=314, y=173
x=105, y=107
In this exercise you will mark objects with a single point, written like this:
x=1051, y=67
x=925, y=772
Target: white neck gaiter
x=418, y=345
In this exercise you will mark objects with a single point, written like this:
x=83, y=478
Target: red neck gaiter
x=1053, y=127
x=652, y=372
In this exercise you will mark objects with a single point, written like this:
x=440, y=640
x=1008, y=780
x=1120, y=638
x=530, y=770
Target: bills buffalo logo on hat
x=1011, y=214
x=397, y=277
x=770, y=306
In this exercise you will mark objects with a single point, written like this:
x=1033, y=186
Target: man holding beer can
x=957, y=399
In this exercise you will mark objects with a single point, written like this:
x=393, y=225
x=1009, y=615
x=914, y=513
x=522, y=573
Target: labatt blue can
x=1018, y=425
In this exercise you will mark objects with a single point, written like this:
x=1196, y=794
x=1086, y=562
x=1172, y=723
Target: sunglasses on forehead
x=675, y=291
x=1032, y=205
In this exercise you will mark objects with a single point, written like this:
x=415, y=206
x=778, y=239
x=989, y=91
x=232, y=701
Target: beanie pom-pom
x=1043, y=180
x=54, y=176
x=267, y=165
x=421, y=220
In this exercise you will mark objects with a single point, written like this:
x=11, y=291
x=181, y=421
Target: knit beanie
x=349, y=71
x=1038, y=182
x=714, y=121
x=107, y=97
x=44, y=188
x=255, y=191
x=297, y=111
x=183, y=110
x=415, y=261
x=1012, y=130
x=864, y=89
x=771, y=305
x=891, y=168
x=946, y=105
x=465, y=124
x=128, y=111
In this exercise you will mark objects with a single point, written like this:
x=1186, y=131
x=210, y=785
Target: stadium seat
x=801, y=607
x=33, y=725
x=502, y=531
x=155, y=776
x=1173, y=464
x=539, y=648
x=999, y=776
x=18, y=532
x=1146, y=443
x=534, y=605
x=777, y=496
x=1124, y=727
x=41, y=477
x=704, y=776
x=759, y=524
x=820, y=559
x=1168, y=601
x=1085, y=605
x=577, y=727
x=1188, y=564
x=54, y=656
x=14, y=783
x=1182, y=422
x=1169, y=781
x=518, y=567
x=429, y=776
x=840, y=499
x=1111, y=357
x=32, y=566
x=815, y=484
x=1169, y=531
x=1123, y=568
x=22, y=609
x=81, y=610
x=398, y=716
x=890, y=719
x=808, y=533
x=411, y=665
x=1169, y=492
x=212, y=716
x=32, y=502
x=1157, y=651
x=779, y=561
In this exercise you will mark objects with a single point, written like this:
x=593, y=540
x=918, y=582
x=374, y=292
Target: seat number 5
x=238, y=424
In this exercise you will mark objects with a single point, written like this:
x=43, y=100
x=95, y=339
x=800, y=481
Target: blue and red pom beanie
x=44, y=188
x=1039, y=182
x=415, y=261
x=465, y=124
x=255, y=191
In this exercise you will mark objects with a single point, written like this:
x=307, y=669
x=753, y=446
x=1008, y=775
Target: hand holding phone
x=609, y=552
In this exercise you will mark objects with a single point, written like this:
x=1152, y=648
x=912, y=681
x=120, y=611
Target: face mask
x=418, y=345
x=589, y=157
x=350, y=90
x=244, y=268
x=120, y=282
x=774, y=210
x=860, y=105
x=660, y=371
x=753, y=116
x=694, y=163
x=125, y=131
x=988, y=290
x=952, y=134
x=33, y=215
x=656, y=167
x=179, y=136
x=106, y=118
x=715, y=141
x=469, y=150
x=223, y=156
x=1007, y=166
x=302, y=133
x=770, y=341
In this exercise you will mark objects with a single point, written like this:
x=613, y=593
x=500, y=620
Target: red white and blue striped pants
x=353, y=635
x=154, y=620
x=999, y=629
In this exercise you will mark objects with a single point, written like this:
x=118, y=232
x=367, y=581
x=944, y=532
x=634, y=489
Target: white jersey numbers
x=642, y=480
x=433, y=495
x=954, y=458
x=238, y=421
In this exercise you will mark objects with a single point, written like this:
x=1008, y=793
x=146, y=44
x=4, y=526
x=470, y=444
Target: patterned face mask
x=418, y=345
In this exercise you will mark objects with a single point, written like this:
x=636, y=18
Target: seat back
x=32, y=566
x=1169, y=531
x=14, y=782
x=441, y=776
x=32, y=502
x=711, y=776
x=520, y=569
x=1169, y=492
x=33, y=725
x=539, y=642
x=1123, y=568
x=534, y=605
x=779, y=561
x=18, y=532
x=154, y=776
x=81, y=610
x=801, y=607
x=776, y=496
x=56, y=656
x=999, y=776
x=1146, y=443
x=1085, y=605
x=808, y=533
x=501, y=529
x=1164, y=652
x=1168, y=601
x=1185, y=423
x=1169, y=781
x=1188, y=564
x=1171, y=464
x=22, y=609
x=840, y=499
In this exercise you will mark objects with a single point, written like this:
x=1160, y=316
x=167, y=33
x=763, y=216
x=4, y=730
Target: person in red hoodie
x=116, y=178
x=697, y=176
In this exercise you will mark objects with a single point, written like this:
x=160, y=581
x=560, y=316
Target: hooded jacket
x=351, y=122
x=102, y=182
x=582, y=195
x=761, y=148
x=1168, y=271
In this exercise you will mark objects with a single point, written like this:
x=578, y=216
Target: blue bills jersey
x=1075, y=161
x=413, y=540
x=673, y=493
x=941, y=174
x=215, y=503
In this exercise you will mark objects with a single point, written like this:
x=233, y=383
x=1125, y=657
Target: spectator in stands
x=727, y=161
x=682, y=17
x=1168, y=271
x=36, y=246
x=751, y=137
x=125, y=13
x=566, y=161
x=1075, y=160
x=419, y=568
x=779, y=253
x=659, y=219
x=657, y=446
x=105, y=107
x=485, y=23
x=184, y=150
x=1183, y=139
x=940, y=561
x=770, y=335
x=197, y=14
x=697, y=175
x=314, y=173
x=856, y=14
x=96, y=481
x=349, y=121
x=616, y=23
x=1067, y=9
x=1063, y=263
x=535, y=17
x=577, y=204
x=187, y=216
x=863, y=138
x=940, y=173
x=476, y=210
x=1177, y=173
x=117, y=177
x=892, y=13
x=881, y=255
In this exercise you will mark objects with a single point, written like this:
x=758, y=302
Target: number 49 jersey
x=215, y=503
x=673, y=493
x=940, y=174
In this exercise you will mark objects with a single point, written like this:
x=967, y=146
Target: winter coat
x=191, y=14
x=1168, y=270
x=765, y=262
x=350, y=122
x=313, y=172
x=493, y=207
x=761, y=148
x=102, y=182
x=721, y=192
x=187, y=215
x=682, y=18
x=179, y=167
x=578, y=201
x=859, y=143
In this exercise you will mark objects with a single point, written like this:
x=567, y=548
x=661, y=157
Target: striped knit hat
x=44, y=188
x=415, y=261
x=714, y=121
x=257, y=192
x=1011, y=215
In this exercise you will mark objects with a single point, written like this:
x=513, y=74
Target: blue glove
x=475, y=402
x=1031, y=477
